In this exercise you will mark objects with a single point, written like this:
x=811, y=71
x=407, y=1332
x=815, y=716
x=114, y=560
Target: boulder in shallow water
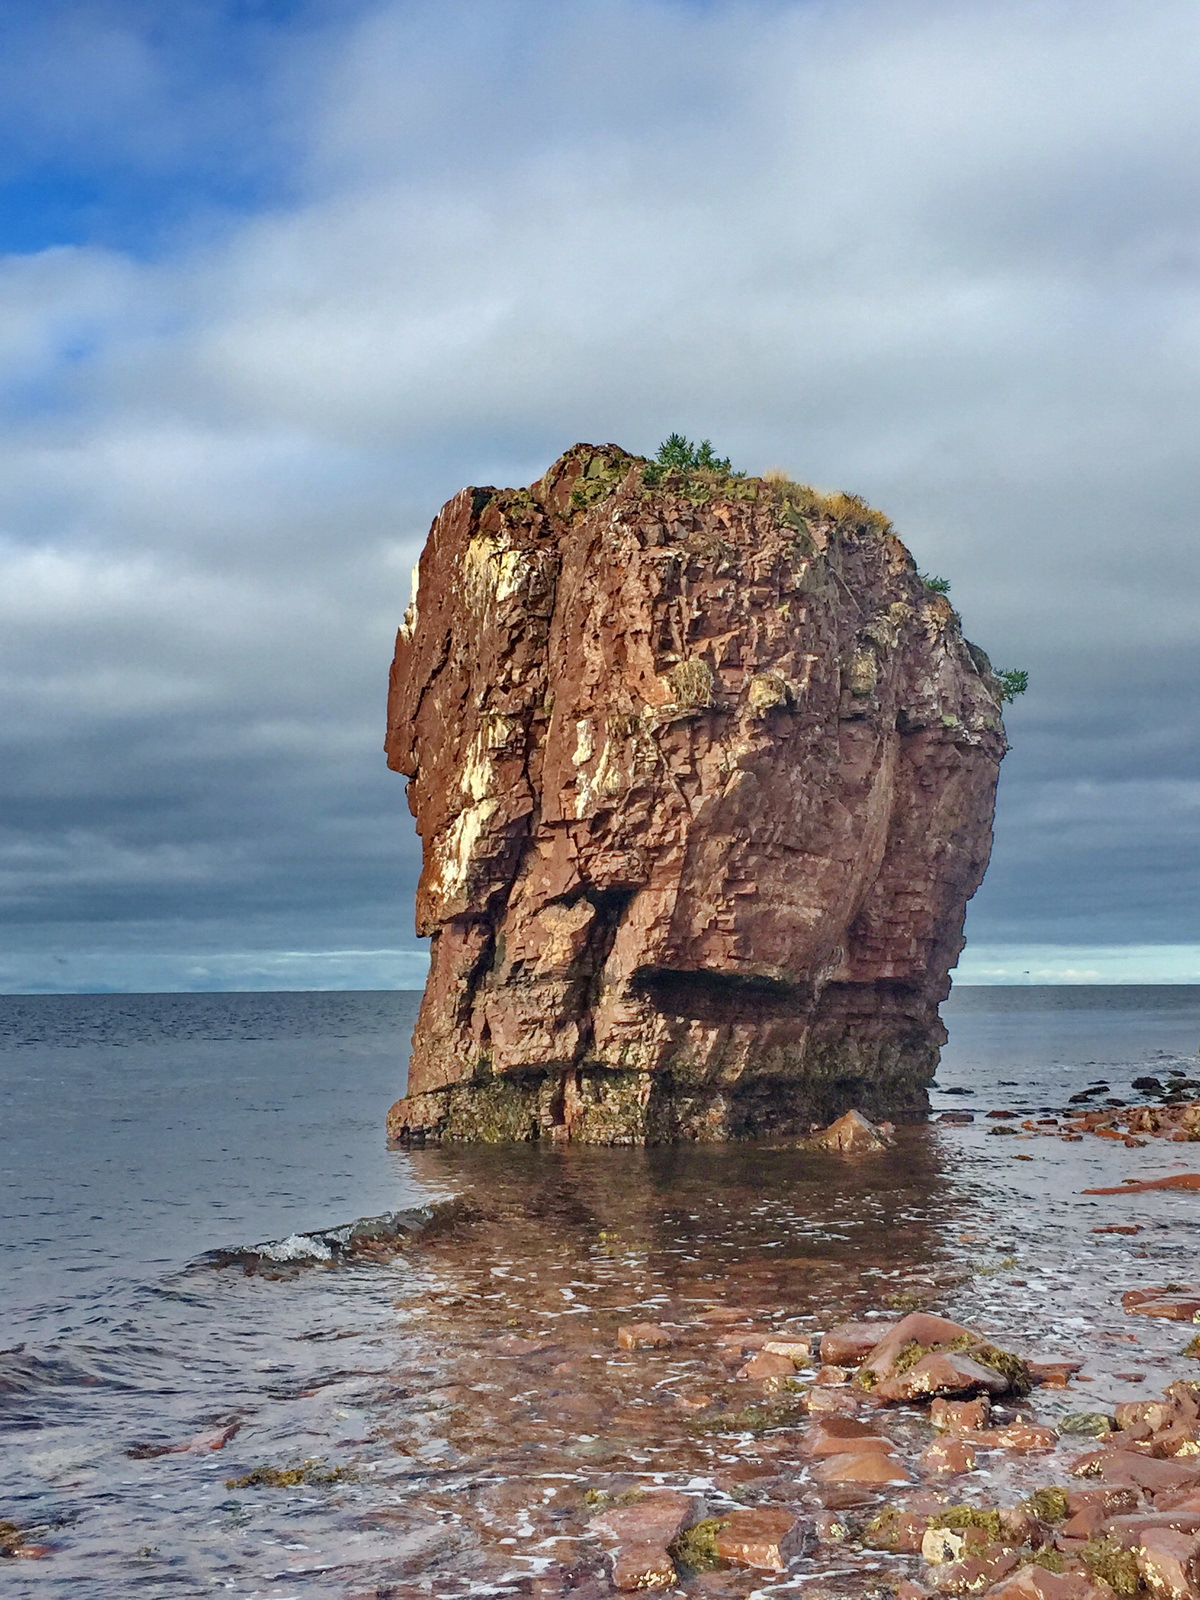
x=853, y=1135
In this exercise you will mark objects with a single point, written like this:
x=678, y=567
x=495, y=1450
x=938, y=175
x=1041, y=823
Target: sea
x=193, y=1402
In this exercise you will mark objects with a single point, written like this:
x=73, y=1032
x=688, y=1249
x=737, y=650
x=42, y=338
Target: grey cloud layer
x=943, y=255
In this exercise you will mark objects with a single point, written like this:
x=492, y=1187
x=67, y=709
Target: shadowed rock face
x=704, y=777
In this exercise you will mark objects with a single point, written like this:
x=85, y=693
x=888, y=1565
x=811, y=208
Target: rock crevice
x=704, y=776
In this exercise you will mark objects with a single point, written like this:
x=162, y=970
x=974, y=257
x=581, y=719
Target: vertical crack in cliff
x=610, y=906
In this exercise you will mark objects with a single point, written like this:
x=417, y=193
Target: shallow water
x=468, y=1393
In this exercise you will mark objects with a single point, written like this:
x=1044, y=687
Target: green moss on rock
x=1050, y=1504
x=695, y=1550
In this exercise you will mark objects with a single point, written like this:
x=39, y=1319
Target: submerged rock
x=853, y=1135
x=704, y=776
x=366, y=1239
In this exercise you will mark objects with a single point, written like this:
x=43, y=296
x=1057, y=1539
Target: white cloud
x=943, y=254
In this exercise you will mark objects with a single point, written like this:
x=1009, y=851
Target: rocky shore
x=915, y=1410
x=875, y=1365
x=897, y=1454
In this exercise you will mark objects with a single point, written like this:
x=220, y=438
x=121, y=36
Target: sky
x=278, y=277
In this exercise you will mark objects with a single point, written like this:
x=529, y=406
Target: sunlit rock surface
x=704, y=776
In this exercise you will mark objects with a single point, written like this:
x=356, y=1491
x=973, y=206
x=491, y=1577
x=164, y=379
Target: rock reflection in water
x=539, y=1413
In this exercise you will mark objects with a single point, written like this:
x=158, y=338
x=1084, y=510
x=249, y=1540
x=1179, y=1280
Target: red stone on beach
x=1177, y=1180
x=642, y=1533
x=1169, y=1563
x=643, y=1335
x=852, y=1342
x=1174, y=1303
x=657, y=1519
x=948, y=1457
x=643, y=1566
x=766, y=1537
x=942, y=1372
x=871, y=1466
x=1021, y=1436
x=834, y=1436
x=766, y=1365
x=961, y=1416
x=1143, y=1472
x=919, y=1327
x=1036, y=1583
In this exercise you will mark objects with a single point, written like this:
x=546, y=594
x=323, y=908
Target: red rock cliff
x=704, y=776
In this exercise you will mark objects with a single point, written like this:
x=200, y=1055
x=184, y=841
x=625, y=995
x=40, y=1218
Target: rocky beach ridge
x=704, y=774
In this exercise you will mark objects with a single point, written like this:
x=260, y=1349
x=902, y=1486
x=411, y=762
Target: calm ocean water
x=141, y=1131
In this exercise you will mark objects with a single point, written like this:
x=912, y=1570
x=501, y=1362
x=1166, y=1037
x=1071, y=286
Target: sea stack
x=704, y=775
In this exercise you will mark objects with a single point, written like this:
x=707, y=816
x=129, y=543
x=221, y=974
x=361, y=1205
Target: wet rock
x=201, y=1444
x=515, y=1344
x=948, y=1457
x=642, y=1533
x=961, y=1416
x=940, y=1544
x=611, y=693
x=978, y=1571
x=1169, y=1563
x=1085, y=1524
x=825, y=1402
x=873, y=1466
x=1092, y=1424
x=657, y=1518
x=1143, y=1472
x=1178, y=1439
x=1022, y=1437
x=764, y=1537
x=897, y=1529
x=365, y=1239
x=1174, y=1305
x=831, y=1377
x=840, y=1497
x=942, y=1372
x=1036, y=1583
x=644, y=1336
x=1108, y=1499
x=767, y=1365
x=1155, y=1414
x=918, y=1328
x=796, y=1350
x=1052, y=1374
x=1128, y=1528
x=736, y=1346
x=852, y=1135
x=831, y=1527
x=837, y=1435
x=852, y=1342
x=639, y=1567
x=1177, y=1180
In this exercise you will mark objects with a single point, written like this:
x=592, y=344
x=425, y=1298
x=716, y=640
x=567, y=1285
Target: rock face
x=704, y=776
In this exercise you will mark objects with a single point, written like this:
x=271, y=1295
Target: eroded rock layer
x=704, y=776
